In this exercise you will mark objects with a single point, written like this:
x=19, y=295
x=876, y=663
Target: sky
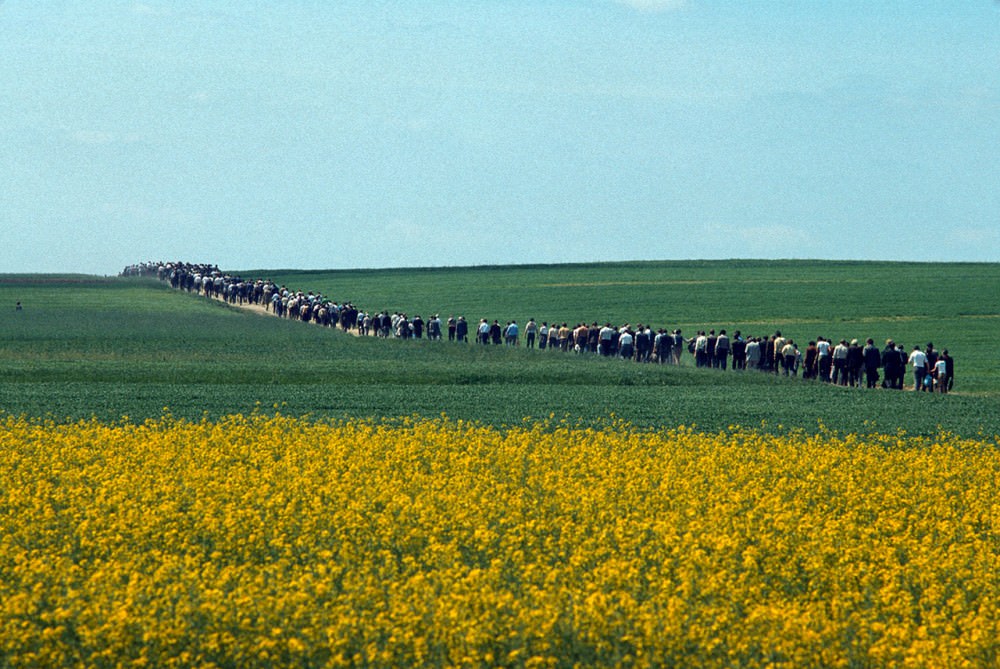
x=322, y=134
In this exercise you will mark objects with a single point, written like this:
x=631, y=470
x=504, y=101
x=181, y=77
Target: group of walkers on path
x=841, y=363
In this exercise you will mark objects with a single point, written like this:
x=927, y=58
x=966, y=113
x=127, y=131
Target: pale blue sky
x=322, y=134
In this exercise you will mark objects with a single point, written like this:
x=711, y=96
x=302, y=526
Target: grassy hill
x=951, y=304
x=88, y=346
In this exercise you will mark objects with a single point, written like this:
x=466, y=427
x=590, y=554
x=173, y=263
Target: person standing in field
x=739, y=346
x=511, y=333
x=890, y=364
x=678, y=346
x=872, y=360
x=903, y=360
x=855, y=359
x=809, y=367
x=918, y=359
x=643, y=344
x=580, y=335
x=403, y=329
x=779, y=346
x=530, y=332
x=594, y=337
x=949, y=371
x=564, y=334
x=452, y=328
x=840, y=363
x=824, y=360
x=543, y=336
x=722, y=351
x=753, y=353
x=940, y=372
x=496, y=333
x=462, y=330
x=789, y=355
x=662, y=343
x=605, y=336
x=701, y=350
x=932, y=358
x=667, y=346
x=625, y=341
x=768, y=351
x=657, y=346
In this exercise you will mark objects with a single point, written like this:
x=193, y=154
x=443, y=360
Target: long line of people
x=840, y=363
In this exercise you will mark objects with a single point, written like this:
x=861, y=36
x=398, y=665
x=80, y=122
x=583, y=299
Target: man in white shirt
x=530, y=330
x=918, y=359
x=941, y=374
x=753, y=353
x=701, y=350
x=721, y=360
x=789, y=356
x=823, y=358
x=840, y=352
x=625, y=340
x=606, y=337
x=779, y=345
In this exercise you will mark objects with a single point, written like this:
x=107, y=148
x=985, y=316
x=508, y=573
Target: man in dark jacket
x=891, y=364
x=949, y=362
x=496, y=333
x=872, y=361
x=721, y=351
x=739, y=351
x=855, y=360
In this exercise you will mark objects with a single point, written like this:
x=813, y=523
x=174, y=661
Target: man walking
x=722, y=350
x=530, y=330
x=701, y=350
x=739, y=346
x=918, y=359
x=840, y=363
x=872, y=360
x=823, y=358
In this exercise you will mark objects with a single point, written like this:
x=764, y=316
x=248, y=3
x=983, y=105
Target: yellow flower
x=277, y=541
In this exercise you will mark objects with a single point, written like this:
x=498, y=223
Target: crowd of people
x=841, y=363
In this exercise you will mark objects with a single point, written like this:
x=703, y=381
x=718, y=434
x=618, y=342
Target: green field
x=87, y=346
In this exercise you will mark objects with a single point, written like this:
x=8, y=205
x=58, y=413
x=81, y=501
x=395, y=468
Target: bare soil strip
x=263, y=311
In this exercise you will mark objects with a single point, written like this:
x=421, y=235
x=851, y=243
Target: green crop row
x=84, y=346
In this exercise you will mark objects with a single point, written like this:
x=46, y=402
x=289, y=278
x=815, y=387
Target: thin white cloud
x=102, y=137
x=761, y=238
x=93, y=137
x=973, y=236
x=654, y=5
x=149, y=10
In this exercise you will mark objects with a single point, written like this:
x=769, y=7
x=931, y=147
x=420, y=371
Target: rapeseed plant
x=277, y=541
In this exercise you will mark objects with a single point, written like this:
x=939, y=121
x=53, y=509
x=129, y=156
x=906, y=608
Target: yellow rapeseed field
x=273, y=541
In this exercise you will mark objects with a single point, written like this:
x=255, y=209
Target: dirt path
x=258, y=309
x=255, y=308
